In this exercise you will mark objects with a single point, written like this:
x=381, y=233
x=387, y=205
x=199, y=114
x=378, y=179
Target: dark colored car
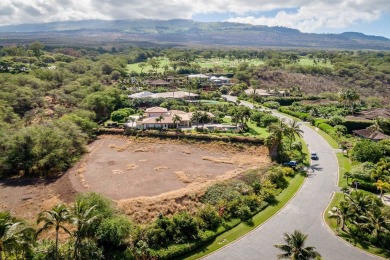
x=314, y=156
x=291, y=163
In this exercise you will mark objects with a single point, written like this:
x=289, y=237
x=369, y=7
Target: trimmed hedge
x=300, y=115
x=368, y=186
x=287, y=101
x=357, y=124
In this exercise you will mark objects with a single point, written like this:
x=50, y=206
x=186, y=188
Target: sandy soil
x=143, y=176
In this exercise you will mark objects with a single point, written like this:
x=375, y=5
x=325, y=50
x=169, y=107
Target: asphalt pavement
x=304, y=212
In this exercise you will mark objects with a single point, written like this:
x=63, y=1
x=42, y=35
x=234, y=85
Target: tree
x=278, y=131
x=54, y=218
x=196, y=116
x=37, y=48
x=382, y=186
x=349, y=98
x=375, y=222
x=13, y=234
x=341, y=213
x=293, y=130
x=82, y=218
x=160, y=119
x=176, y=120
x=294, y=247
x=142, y=66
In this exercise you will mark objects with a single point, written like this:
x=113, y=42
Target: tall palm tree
x=54, y=218
x=278, y=131
x=13, y=235
x=293, y=130
x=176, y=120
x=82, y=218
x=341, y=213
x=196, y=116
x=295, y=247
x=159, y=119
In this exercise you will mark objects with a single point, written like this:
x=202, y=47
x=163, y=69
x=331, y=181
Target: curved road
x=304, y=212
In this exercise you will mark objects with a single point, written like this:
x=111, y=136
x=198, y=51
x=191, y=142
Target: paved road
x=304, y=212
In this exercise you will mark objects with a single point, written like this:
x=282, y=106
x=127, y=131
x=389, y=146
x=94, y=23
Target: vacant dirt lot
x=143, y=176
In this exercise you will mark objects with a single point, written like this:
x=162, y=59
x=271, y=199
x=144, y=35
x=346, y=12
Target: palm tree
x=278, y=131
x=341, y=213
x=13, y=235
x=176, y=120
x=196, y=116
x=347, y=175
x=294, y=247
x=204, y=118
x=375, y=221
x=375, y=127
x=382, y=186
x=82, y=218
x=159, y=119
x=293, y=130
x=54, y=218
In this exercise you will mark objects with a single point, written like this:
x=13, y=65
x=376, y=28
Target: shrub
x=367, y=151
x=300, y=115
x=210, y=219
x=336, y=120
x=271, y=104
x=186, y=227
x=114, y=232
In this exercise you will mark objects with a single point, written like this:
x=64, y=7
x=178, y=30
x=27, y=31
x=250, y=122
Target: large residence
x=160, y=117
x=371, y=134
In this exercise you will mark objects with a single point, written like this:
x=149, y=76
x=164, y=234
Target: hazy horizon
x=324, y=16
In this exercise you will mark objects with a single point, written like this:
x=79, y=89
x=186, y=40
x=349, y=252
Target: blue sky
x=320, y=16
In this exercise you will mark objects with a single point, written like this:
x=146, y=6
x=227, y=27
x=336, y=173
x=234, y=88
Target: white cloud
x=310, y=15
x=319, y=15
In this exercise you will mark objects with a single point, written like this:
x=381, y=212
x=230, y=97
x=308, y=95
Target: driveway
x=304, y=212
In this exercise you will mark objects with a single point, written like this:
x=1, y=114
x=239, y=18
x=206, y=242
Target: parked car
x=314, y=156
x=291, y=163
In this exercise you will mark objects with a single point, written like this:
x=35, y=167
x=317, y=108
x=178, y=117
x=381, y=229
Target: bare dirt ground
x=143, y=176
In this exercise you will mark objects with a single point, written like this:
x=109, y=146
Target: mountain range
x=183, y=32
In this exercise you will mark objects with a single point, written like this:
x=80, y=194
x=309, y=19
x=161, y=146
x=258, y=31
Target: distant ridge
x=185, y=32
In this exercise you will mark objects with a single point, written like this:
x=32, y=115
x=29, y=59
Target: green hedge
x=357, y=124
x=174, y=135
x=300, y=115
x=287, y=101
x=368, y=186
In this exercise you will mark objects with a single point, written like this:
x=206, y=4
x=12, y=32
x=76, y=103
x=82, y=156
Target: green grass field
x=345, y=165
x=304, y=61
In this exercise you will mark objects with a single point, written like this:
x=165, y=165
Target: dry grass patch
x=159, y=168
x=184, y=177
x=131, y=166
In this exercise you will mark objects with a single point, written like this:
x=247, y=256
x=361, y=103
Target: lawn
x=333, y=143
x=254, y=130
x=345, y=165
x=228, y=237
x=304, y=61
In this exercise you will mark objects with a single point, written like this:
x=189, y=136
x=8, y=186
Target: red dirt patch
x=144, y=176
